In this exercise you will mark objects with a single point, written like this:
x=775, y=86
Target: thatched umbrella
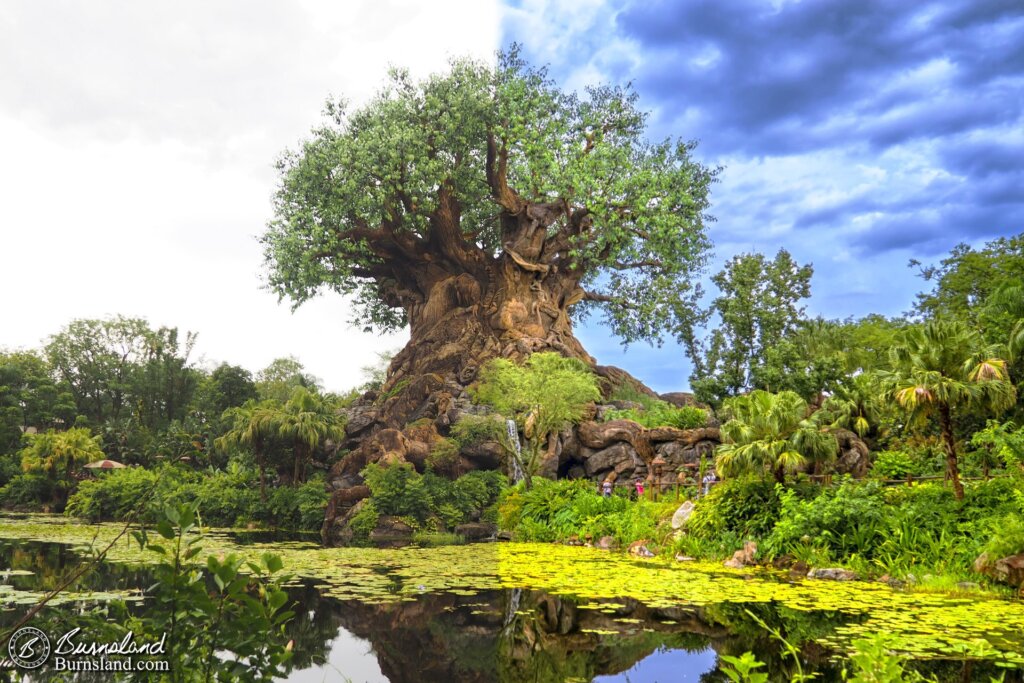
x=104, y=465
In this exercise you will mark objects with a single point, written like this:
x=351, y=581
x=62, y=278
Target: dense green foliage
x=223, y=497
x=427, y=501
x=545, y=394
x=759, y=304
x=770, y=434
x=623, y=217
x=558, y=511
x=662, y=414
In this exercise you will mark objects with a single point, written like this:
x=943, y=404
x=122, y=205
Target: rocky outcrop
x=832, y=574
x=853, y=456
x=1008, y=570
x=744, y=557
x=616, y=450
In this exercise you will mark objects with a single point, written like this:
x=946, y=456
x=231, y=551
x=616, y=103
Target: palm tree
x=854, y=405
x=771, y=433
x=252, y=424
x=943, y=367
x=57, y=454
x=307, y=420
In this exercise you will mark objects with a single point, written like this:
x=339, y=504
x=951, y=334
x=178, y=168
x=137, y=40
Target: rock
x=681, y=399
x=504, y=536
x=854, y=455
x=688, y=437
x=338, y=531
x=390, y=529
x=682, y=514
x=488, y=455
x=360, y=419
x=968, y=586
x=832, y=574
x=606, y=543
x=627, y=405
x=598, y=435
x=476, y=531
x=640, y=549
x=619, y=457
x=1008, y=570
x=743, y=558
x=685, y=558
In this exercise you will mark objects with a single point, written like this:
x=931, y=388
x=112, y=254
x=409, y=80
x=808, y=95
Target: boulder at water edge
x=682, y=514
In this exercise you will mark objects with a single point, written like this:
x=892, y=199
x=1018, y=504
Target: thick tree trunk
x=506, y=310
x=297, y=470
x=952, y=466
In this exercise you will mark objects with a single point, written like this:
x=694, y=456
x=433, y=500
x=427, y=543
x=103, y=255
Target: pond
x=536, y=612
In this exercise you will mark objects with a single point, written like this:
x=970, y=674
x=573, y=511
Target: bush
x=558, y=510
x=745, y=507
x=364, y=521
x=114, y=494
x=662, y=414
x=843, y=520
x=401, y=491
x=471, y=430
x=224, y=498
x=894, y=465
x=26, y=491
x=299, y=509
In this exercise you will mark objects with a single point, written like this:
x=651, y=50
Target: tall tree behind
x=758, y=304
x=483, y=207
x=29, y=397
x=97, y=359
x=944, y=367
x=965, y=280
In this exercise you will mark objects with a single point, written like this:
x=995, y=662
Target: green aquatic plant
x=742, y=669
x=923, y=624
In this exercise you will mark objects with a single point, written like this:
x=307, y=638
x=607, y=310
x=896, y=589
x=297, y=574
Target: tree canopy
x=450, y=174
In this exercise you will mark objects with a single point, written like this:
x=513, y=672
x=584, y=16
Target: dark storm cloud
x=810, y=74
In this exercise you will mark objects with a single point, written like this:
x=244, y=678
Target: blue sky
x=854, y=134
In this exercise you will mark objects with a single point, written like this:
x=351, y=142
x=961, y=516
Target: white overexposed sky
x=138, y=142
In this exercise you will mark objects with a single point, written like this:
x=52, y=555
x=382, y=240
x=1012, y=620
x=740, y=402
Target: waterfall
x=513, y=606
x=517, y=451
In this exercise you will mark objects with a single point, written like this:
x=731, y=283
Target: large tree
x=942, y=368
x=484, y=208
x=759, y=304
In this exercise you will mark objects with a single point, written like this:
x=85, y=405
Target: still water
x=525, y=612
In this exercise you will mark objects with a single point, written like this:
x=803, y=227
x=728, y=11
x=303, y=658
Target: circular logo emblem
x=29, y=647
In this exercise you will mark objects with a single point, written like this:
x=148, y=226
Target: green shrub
x=400, y=490
x=471, y=430
x=443, y=454
x=27, y=491
x=1007, y=537
x=299, y=509
x=224, y=497
x=746, y=507
x=558, y=510
x=114, y=494
x=662, y=414
x=894, y=465
x=845, y=520
x=364, y=521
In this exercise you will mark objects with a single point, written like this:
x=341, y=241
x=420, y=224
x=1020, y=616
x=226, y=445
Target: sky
x=139, y=139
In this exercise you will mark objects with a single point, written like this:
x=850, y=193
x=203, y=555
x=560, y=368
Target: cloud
x=138, y=147
x=854, y=134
